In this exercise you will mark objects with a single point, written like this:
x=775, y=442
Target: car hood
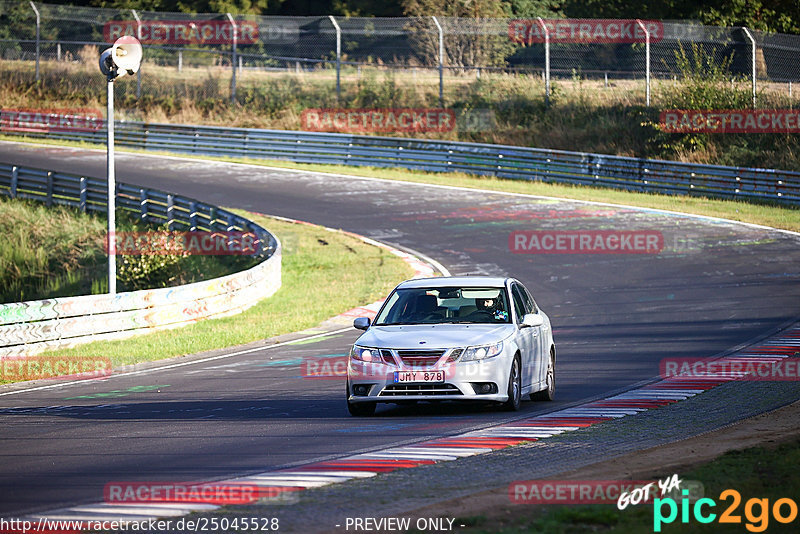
x=438, y=336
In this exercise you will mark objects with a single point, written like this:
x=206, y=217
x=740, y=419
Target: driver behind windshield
x=451, y=305
x=493, y=307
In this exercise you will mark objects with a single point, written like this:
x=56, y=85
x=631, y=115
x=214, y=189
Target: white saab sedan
x=470, y=338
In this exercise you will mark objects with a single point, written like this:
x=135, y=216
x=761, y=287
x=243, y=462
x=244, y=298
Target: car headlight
x=366, y=354
x=482, y=352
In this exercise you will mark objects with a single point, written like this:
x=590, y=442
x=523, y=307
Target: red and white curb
x=282, y=486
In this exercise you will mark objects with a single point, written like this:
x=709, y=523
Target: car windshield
x=445, y=305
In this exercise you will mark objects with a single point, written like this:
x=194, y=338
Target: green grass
x=324, y=273
x=756, y=473
x=49, y=252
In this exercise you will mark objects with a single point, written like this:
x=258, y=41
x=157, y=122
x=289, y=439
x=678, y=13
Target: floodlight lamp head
x=124, y=56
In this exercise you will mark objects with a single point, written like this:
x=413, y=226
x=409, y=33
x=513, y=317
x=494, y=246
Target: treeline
x=768, y=15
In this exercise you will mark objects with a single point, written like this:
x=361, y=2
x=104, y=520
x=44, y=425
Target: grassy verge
x=324, y=273
x=585, y=115
x=785, y=218
x=756, y=473
x=48, y=252
x=60, y=252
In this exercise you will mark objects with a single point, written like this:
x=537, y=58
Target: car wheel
x=359, y=409
x=514, y=387
x=548, y=393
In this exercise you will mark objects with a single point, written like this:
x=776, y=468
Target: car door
x=527, y=339
x=541, y=336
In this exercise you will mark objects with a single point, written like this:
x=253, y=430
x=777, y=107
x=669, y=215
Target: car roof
x=458, y=281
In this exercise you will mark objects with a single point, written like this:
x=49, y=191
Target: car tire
x=514, y=387
x=359, y=409
x=549, y=392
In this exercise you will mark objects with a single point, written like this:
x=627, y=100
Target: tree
x=473, y=35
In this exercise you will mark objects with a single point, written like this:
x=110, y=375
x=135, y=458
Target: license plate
x=418, y=376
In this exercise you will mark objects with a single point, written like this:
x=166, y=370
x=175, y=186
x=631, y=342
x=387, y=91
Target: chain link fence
x=215, y=60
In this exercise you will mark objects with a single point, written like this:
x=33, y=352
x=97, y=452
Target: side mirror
x=533, y=319
x=362, y=323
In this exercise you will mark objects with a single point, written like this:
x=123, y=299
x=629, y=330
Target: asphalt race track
x=713, y=286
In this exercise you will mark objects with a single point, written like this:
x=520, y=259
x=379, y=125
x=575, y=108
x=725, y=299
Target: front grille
x=404, y=390
x=420, y=358
x=387, y=356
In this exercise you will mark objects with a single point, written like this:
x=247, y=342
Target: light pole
x=123, y=57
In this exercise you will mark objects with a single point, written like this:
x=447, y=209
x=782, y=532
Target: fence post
x=753, y=43
x=441, y=61
x=546, y=61
x=647, y=58
x=338, y=56
x=138, y=36
x=38, y=24
x=233, y=59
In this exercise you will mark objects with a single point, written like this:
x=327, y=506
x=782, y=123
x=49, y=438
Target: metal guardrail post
x=38, y=24
x=49, y=189
x=546, y=61
x=234, y=31
x=647, y=58
x=170, y=211
x=753, y=43
x=338, y=56
x=14, y=180
x=138, y=36
x=143, y=204
x=83, y=193
x=193, y=216
x=441, y=61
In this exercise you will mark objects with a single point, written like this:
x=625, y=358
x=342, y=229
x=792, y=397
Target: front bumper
x=459, y=383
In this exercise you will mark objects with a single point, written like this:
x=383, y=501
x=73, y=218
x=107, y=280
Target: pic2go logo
x=756, y=511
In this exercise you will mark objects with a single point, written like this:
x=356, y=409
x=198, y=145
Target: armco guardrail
x=618, y=172
x=30, y=327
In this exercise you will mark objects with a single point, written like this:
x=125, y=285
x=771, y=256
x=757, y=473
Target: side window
x=519, y=303
x=530, y=304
